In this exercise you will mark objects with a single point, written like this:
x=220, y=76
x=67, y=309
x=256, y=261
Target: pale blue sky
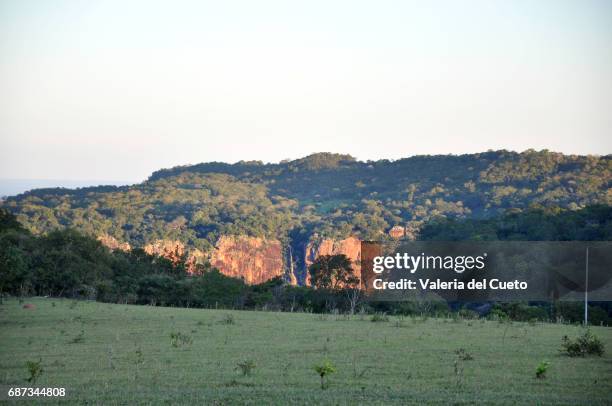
x=117, y=89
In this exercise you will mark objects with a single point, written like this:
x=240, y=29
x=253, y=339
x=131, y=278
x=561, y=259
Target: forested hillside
x=327, y=195
x=69, y=264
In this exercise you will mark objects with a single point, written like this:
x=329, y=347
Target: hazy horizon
x=115, y=90
x=12, y=187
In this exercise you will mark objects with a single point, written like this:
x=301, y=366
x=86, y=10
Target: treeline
x=66, y=263
x=593, y=223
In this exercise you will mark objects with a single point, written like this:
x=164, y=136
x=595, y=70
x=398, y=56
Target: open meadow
x=121, y=354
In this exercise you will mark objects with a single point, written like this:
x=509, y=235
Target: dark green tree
x=332, y=272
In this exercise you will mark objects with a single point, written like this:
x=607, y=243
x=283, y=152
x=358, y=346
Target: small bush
x=246, y=367
x=379, y=317
x=498, y=315
x=463, y=355
x=34, y=369
x=325, y=369
x=586, y=344
x=139, y=359
x=179, y=339
x=541, y=369
x=228, y=319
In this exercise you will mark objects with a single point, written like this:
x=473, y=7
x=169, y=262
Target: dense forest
x=329, y=195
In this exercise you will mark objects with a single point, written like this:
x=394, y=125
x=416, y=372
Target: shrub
x=179, y=339
x=246, y=366
x=586, y=344
x=34, y=369
x=541, y=369
x=497, y=315
x=325, y=369
x=463, y=355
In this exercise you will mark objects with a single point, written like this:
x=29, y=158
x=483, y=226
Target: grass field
x=117, y=354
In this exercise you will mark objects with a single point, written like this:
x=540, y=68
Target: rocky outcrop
x=351, y=247
x=253, y=259
x=397, y=232
x=169, y=249
x=113, y=244
x=176, y=252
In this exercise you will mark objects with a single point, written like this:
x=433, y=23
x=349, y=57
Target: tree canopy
x=331, y=195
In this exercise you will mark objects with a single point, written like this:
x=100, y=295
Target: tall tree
x=332, y=272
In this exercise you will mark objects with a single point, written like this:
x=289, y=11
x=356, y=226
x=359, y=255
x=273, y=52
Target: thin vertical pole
x=586, y=290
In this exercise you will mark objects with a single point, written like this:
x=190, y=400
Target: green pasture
x=121, y=354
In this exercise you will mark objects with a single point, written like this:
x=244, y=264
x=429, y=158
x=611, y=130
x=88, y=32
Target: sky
x=113, y=90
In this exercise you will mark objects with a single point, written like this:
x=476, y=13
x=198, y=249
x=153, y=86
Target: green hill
x=325, y=194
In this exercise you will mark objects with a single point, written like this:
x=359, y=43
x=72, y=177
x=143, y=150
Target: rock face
x=397, y=232
x=175, y=251
x=172, y=250
x=112, y=243
x=351, y=247
x=408, y=232
x=256, y=260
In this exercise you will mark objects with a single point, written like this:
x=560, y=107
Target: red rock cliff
x=172, y=250
x=254, y=259
x=175, y=251
x=351, y=247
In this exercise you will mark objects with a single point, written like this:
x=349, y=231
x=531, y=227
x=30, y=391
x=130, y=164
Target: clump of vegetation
x=586, y=344
x=541, y=369
x=228, y=319
x=324, y=370
x=34, y=369
x=235, y=383
x=178, y=339
x=139, y=360
x=246, y=367
x=463, y=354
x=468, y=314
x=379, y=317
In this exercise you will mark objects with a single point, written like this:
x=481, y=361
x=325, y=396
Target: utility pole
x=586, y=290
